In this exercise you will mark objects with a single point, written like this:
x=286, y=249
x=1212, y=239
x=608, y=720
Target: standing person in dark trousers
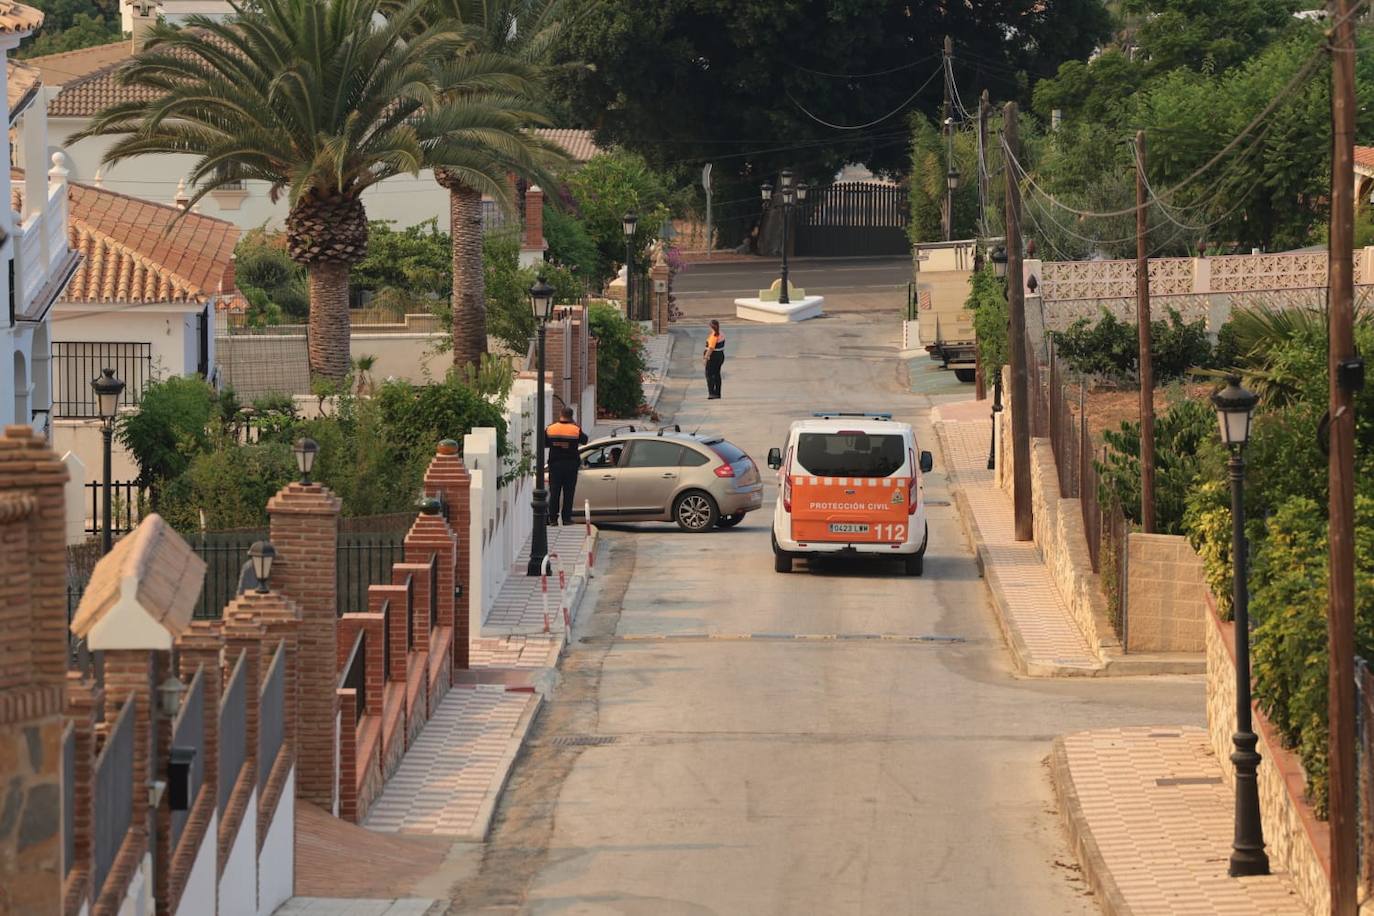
x=714, y=357
x=563, y=438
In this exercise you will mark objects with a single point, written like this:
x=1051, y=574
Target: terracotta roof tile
x=66, y=66
x=21, y=85
x=137, y=251
x=579, y=144
x=1364, y=156
x=16, y=17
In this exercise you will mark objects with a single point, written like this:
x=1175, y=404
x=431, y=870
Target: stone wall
x=1164, y=594
x=1296, y=841
x=1063, y=545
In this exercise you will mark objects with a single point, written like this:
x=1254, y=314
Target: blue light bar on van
x=837, y=414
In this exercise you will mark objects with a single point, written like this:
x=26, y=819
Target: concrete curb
x=508, y=757
x=663, y=371
x=1095, y=870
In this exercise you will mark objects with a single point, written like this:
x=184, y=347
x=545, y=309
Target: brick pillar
x=280, y=621
x=305, y=532
x=431, y=535
x=448, y=478
x=84, y=698
x=162, y=814
x=200, y=646
x=660, y=275
x=532, y=245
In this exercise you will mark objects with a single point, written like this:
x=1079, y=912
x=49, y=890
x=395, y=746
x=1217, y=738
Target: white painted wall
x=74, y=495
x=138, y=900
x=171, y=329
x=404, y=356
x=238, y=886
x=198, y=897
x=406, y=200
x=277, y=862
x=83, y=439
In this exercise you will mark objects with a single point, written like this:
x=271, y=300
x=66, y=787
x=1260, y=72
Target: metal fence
x=114, y=794
x=433, y=592
x=354, y=675
x=129, y=502
x=68, y=798
x=188, y=731
x=224, y=553
x=271, y=715
x=639, y=306
x=365, y=559
x=233, y=732
x=76, y=363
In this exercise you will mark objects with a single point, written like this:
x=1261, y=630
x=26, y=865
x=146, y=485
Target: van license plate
x=836, y=528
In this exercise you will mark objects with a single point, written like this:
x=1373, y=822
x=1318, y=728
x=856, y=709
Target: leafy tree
x=987, y=301
x=416, y=258
x=268, y=278
x=619, y=362
x=685, y=82
x=570, y=244
x=321, y=99
x=69, y=25
x=171, y=426
x=1206, y=35
x=602, y=190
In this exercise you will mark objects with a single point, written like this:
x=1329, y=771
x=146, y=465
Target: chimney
x=144, y=16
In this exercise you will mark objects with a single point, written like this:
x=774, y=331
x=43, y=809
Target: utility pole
x=1346, y=376
x=981, y=388
x=1142, y=317
x=1016, y=307
x=949, y=143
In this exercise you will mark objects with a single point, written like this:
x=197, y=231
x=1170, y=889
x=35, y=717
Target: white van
x=851, y=485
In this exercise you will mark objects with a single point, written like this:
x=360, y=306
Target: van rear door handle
x=669, y=476
x=608, y=477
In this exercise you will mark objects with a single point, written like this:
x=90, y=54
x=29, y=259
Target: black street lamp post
x=627, y=225
x=108, y=388
x=541, y=302
x=1234, y=407
x=996, y=409
x=792, y=194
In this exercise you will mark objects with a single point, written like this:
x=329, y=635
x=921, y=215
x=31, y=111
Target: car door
x=649, y=477
x=598, y=480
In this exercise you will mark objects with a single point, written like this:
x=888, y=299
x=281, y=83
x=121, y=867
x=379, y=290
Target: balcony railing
x=76, y=363
x=41, y=252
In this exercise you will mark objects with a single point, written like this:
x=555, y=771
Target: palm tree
x=512, y=41
x=321, y=99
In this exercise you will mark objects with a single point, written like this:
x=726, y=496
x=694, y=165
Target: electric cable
x=911, y=98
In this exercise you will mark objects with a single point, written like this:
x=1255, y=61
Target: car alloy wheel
x=696, y=512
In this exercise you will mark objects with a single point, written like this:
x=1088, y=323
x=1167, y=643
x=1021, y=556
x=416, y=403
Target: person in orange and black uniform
x=563, y=438
x=714, y=357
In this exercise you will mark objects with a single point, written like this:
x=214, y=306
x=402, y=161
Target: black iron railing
x=233, y=732
x=129, y=502
x=76, y=363
x=365, y=559
x=354, y=675
x=433, y=592
x=188, y=731
x=271, y=715
x=114, y=794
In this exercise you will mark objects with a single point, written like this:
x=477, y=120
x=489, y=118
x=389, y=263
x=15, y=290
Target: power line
x=911, y=98
x=862, y=76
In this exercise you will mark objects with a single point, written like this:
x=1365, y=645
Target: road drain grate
x=582, y=740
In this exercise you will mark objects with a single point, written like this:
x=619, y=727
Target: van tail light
x=725, y=470
x=911, y=484
x=787, y=493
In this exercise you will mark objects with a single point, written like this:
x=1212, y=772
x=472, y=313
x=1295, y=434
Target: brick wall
x=1164, y=594
x=449, y=479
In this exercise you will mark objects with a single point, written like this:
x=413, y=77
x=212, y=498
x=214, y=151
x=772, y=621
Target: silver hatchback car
x=701, y=482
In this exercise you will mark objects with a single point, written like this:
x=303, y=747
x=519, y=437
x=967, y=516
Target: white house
x=81, y=83
x=142, y=302
x=33, y=237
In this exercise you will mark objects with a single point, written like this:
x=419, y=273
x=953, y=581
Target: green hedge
x=619, y=362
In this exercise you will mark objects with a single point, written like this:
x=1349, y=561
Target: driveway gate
x=853, y=218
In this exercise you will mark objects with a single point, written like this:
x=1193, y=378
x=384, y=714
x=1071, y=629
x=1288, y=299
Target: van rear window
x=850, y=454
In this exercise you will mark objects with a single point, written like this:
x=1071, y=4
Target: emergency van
x=851, y=485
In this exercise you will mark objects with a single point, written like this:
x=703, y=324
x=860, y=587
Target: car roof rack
x=837, y=414
x=628, y=426
x=675, y=427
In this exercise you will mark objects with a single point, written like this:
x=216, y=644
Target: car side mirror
x=775, y=458
x=927, y=462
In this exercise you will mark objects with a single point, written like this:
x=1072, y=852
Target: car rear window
x=653, y=453
x=728, y=453
x=850, y=454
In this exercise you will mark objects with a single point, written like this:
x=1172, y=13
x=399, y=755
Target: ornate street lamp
x=793, y=193
x=306, y=450
x=628, y=222
x=541, y=303
x=263, y=555
x=999, y=262
x=108, y=388
x=1235, y=406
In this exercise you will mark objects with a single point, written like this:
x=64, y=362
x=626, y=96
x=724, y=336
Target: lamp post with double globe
x=792, y=194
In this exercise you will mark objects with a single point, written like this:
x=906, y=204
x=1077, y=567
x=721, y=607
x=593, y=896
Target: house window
x=235, y=185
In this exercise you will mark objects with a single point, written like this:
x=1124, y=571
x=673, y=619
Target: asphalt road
x=770, y=775
x=707, y=290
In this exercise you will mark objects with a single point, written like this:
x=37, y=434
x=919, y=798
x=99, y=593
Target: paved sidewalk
x=450, y=779
x=1042, y=635
x=520, y=606
x=340, y=906
x=658, y=354
x=1151, y=819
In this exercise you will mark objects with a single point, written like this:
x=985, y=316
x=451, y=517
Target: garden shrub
x=570, y=244
x=231, y=484
x=987, y=301
x=619, y=362
x=1207, y=522
x=1179, y=434
x=1111, y=347
x=1288, y=608
x=170, y=427
x=274, y=285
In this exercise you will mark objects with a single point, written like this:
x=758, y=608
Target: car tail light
x=725, y=470
x=911, y=485
x=787, y=493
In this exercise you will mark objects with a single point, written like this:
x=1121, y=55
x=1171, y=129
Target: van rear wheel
x=782, y=560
